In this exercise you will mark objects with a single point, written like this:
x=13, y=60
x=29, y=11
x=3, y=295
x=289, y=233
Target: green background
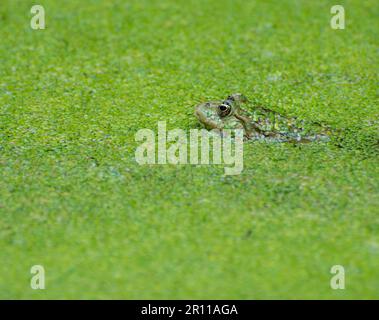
x=73, y=198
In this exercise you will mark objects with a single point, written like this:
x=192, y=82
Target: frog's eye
x=224, y=109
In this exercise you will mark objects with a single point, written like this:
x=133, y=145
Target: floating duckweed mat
x=74, y=200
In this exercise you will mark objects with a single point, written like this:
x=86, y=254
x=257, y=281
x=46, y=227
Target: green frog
x=259, y=123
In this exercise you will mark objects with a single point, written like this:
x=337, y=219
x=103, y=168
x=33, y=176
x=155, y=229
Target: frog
x=258, y=122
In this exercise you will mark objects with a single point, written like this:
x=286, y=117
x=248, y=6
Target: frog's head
x=222, y=115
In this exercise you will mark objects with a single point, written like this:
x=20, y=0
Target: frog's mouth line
x=206, y=122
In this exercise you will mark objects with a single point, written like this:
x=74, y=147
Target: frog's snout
x=199, y=114
x=207, y=116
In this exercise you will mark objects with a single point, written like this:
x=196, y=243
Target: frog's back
x=274, y=125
